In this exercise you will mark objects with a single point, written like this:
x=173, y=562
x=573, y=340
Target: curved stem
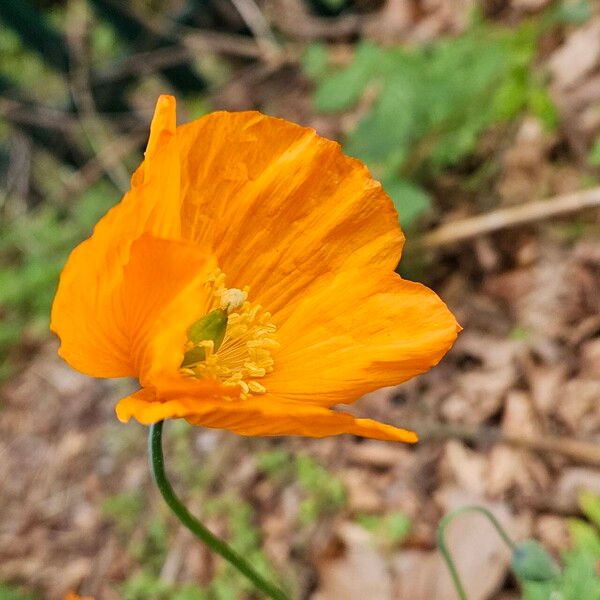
x=157, y=465
x=441, y=540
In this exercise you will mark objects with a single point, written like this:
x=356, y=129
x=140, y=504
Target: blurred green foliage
x=430, y=104
x=226, y=584
x=145, y=585
x=323, y=494
x=389, y=530
x=580, y=578
x=9, y=592
x=23, y=67
x=33, y=248
x=146, y=530
x=594, y=157
x=244, y=537
x=123, y=510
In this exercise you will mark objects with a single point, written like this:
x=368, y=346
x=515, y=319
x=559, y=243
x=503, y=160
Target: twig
x=259, y=26
x=294, y=19
x=196, y=40
x=91, y=123
x=145, y=62
x=111, y=154
x=578, y=450
x=503, y=218
x=193, y=41
x=34, y=114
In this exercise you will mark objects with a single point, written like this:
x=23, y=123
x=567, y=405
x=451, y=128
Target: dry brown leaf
x=357, y=571
x=575, y=480
x=379, y=455
x=552, y=532
x=589, y=366
x=525, y=165
x=504, y=463
x=480, y=391
x=464, y=467
x=361, y=493
x=577, y=57
x=579, y=405
x=545, y=382
x=519, y=418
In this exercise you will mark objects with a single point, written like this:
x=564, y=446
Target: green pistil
x=210, y=327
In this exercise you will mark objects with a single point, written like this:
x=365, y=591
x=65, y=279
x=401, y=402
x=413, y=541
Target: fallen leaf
x=357, y=573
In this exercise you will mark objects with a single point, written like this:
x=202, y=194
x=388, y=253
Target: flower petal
x=162, y=295
x=280, y=205
x=262, y=415
x=359, y=331
x=85, y=313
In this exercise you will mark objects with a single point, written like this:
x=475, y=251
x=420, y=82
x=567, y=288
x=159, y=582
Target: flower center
x=233, y=341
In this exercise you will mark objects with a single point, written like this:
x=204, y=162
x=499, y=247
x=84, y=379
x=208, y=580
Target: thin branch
x=92, y=125
x=111, y=154
x=577, y=450
x=260, y=28
x=145, y=62
x=34, y=114
x=294, y=19
x=229, y=44
x=504, y=218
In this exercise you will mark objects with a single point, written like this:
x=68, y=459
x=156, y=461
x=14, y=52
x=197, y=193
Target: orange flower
x=72, y=596
x=287, y=245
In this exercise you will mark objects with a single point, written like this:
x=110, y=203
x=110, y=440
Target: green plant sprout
x=431, y=104
x=540, y=576
x=323, y=494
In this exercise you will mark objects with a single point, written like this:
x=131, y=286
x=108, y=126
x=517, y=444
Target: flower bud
x=531, y=562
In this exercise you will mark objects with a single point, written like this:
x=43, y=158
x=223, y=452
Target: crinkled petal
x=281, y=206
x=87, y=313
x=358, y=331
x=262, y=415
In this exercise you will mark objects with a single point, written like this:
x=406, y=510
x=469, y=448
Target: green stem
x=157, y=465
x=441, y=540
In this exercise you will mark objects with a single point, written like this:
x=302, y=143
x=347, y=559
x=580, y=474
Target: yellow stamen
x=244, y=355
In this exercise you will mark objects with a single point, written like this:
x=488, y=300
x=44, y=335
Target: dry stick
x=111, y=154
x=196, y=40
x=260, y=28
x=49, y=118
x=580, y=451
x=91, y=123
x=294, y=18
x=504, y=218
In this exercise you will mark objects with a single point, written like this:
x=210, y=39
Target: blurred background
x=482, y=119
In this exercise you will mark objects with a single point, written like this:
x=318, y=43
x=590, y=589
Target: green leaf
x=580, y=580
x=275, y=463
x=409, y=200
x=398, y=527
x=343, y=89
x=391, y=529
x=543, y=108
x=585, y=536
x=431, y=104
x=315, y=62
x=590, y=505
x=531, y=562
x=571, y=12
x=8, y=592
x=594, y=156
